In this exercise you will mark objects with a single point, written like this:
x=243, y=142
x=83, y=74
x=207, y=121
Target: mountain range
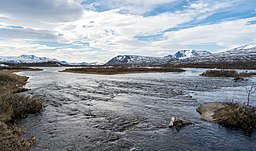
x=143, y=60
x=25, y=59
x=30, y=59
x=245, y=53
x=237, y=55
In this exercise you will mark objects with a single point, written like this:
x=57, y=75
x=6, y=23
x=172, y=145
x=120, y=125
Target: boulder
x=208, y=110
x=178, y=123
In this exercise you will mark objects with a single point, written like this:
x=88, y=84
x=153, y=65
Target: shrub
x=16, y=106
x=220, y=73
x=235, y=115
x=227, y=73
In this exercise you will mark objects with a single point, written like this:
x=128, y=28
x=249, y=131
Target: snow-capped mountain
x=244, y=53
x=25, y=59
x=139, y=60
x=31, y=59
x=183, y=54
x=143, y=60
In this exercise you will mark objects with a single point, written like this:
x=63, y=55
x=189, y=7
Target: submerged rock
x=208, y=110
x=178, y=123
x=238, y=78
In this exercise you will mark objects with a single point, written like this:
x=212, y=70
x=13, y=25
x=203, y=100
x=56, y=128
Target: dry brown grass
x=14, y=106
x=227, y=73
x=220, y=73
x=235, y=115
x=11, y=140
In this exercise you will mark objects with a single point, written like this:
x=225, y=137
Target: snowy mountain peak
x=182, y=54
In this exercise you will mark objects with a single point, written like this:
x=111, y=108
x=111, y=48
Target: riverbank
x=112, y=70
x=12, y=107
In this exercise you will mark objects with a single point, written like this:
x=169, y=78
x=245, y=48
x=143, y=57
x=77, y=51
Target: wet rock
x=238, y=78
x=178, y=123
x=208, y=110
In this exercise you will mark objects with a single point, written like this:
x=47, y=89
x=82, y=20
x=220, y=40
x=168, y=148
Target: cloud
x=41, y=10
x=227, y=34
x=27, y=34
x=134, y=7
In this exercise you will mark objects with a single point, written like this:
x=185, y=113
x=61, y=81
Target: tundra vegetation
x=13, y=106
x=228, y=73
x=111, y=70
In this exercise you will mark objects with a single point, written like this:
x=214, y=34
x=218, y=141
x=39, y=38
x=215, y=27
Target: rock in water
x=178, y=123
x=208, y=110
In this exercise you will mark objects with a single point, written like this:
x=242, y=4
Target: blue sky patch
x=150, y=38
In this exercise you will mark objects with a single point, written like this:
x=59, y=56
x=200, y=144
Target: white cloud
x=135, y=7
x=227, y=34
x=27, y=34
x=41, y=10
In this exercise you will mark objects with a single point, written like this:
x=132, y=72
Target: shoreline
x=15, y=106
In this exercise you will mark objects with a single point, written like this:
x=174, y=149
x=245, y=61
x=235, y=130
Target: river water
x=131, y=112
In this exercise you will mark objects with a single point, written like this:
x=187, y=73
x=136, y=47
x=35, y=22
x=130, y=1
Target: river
x=131, y=112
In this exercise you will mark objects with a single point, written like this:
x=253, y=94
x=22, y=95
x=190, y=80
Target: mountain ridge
x=30, y=59
x=144, y=60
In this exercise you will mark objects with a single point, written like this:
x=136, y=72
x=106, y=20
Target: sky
x=97, y=30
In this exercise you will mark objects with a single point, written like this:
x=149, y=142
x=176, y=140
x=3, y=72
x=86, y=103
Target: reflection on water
x=130, y=112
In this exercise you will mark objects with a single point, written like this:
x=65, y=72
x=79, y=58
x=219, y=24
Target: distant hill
x=25, y=59
x=65, y=63
x=144, y=60
x=241, y=57
x=139, y=60
x=32, y=60
x=243, y=53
